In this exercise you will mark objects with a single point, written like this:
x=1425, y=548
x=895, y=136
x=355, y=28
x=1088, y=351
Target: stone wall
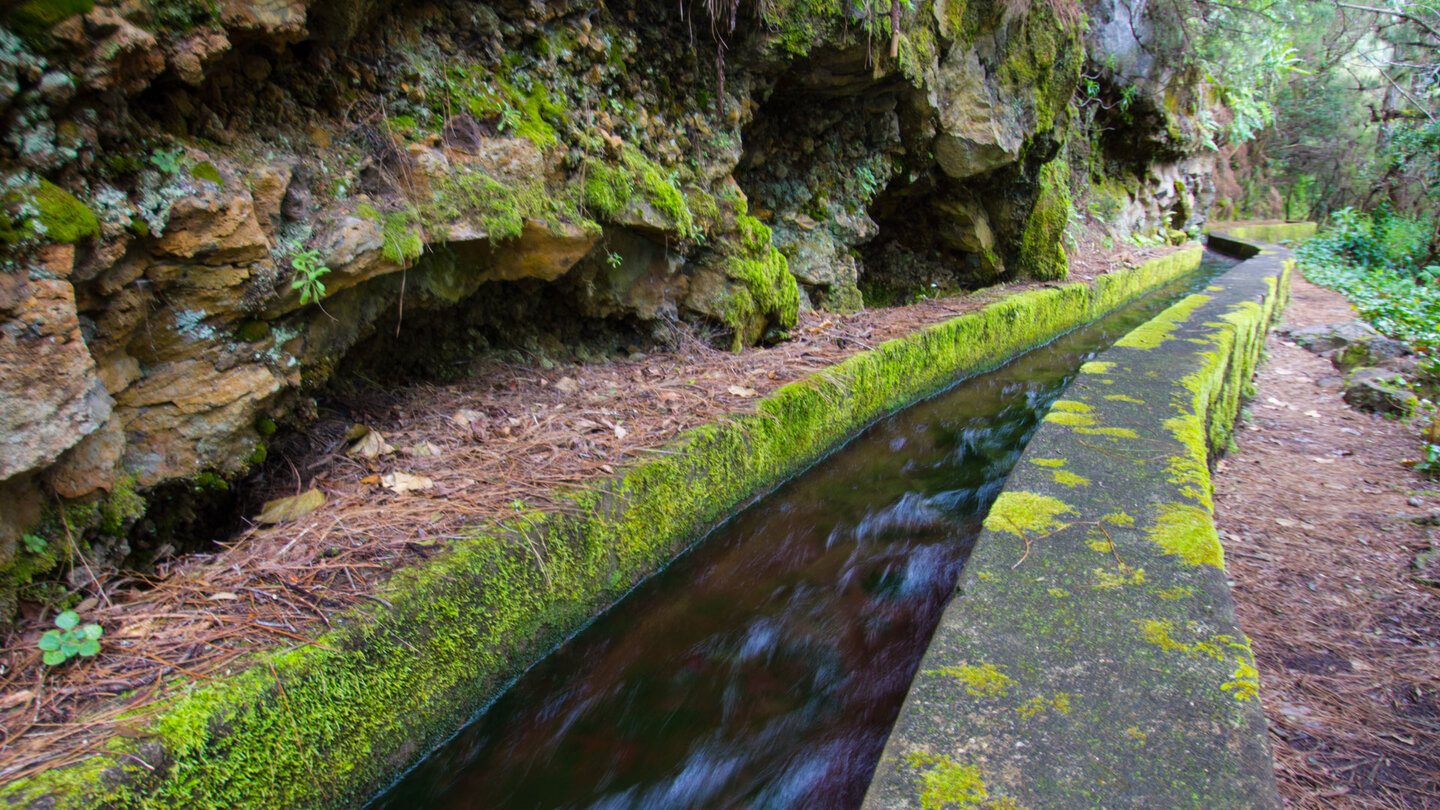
x=1091, y=657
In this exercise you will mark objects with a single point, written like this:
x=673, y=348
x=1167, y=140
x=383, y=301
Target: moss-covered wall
x=326, y=724
x=1096, y=599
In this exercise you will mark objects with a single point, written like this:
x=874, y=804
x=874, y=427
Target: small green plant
x=166, y=160
x=70, y=639
x=1430, y=464
x=614, y=259
x=34, y=543
x=308, y=272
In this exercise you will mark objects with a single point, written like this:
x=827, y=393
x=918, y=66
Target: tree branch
x=1401, y=14
x=1396, y=85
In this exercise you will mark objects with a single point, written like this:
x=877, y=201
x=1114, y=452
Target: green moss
x=1042, y=256
x=1190, y=469
x=1120, y=577
x=610, y=188
x=205, y=170
x=1048, y=462
x=266, y=428
x=1112, y=432
x=404, y=241
x=525, y=114
x=1070, y=419
x=763, y=294
x=1244, y=680
x=1160, y=328
x=947, y=785
x=1039, y=704
x=1177, y=592
x=62, y=218
x=1020, y=512
x=253, y=331
x=1097, y=367
x=918, y=51
x=1188, y=532
x=469, y=194
x=1070, y=479
x=1044, y=59
x=1071, y=406
x=607, y=189
x=1244, y=683
x=1118, y=519
x=1124, y=398
x=984, y=680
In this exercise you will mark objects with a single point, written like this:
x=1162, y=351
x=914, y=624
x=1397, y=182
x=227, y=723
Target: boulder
x=1378, y=390
x=50, y=395
x=91, y=465
x=541, y=251
x=979, y=130
x=283, y=21
x=214, y=225
x=189, y=416
x=1331, y=336
x=1370, y=351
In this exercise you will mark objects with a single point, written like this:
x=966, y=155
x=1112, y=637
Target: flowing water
x=764, y=668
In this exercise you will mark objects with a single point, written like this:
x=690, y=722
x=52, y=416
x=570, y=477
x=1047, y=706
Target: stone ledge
x=1091, y=656
x=329, y=724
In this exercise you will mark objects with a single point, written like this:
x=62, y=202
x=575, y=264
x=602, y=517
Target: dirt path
x=1319, y=521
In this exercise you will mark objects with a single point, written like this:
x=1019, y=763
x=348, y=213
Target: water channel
x=765, y=667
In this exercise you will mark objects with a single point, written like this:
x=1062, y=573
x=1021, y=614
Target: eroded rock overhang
x=1091, y=656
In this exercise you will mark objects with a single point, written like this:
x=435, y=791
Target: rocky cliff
x=209, y=208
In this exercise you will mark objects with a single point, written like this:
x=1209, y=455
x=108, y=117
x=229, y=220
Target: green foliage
x=1430, y=464
x=166, y=160
x=308, y=272
x=34, y=543
x=69, y=639
x=1371, y=260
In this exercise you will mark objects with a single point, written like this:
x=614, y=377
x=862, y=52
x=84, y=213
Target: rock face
x=1151, y=122
x=211, y=206
x=50, y=396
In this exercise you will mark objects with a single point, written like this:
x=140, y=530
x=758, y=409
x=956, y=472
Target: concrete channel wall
x=329, y=723
x=1090, y=657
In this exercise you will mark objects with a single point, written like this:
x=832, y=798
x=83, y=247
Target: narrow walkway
x=1318, y=518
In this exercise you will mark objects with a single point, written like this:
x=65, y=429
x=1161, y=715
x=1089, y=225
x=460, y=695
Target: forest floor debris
x=1322, y=527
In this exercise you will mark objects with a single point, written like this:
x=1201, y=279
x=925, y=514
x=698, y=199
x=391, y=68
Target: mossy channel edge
x=1105, y=606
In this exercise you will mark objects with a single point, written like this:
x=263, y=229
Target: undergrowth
x=1373, y=261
